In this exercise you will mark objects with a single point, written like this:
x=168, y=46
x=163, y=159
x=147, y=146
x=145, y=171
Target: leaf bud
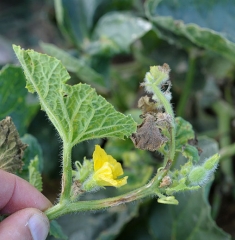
x=200, y=175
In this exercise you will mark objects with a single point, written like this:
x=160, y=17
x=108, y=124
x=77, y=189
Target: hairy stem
x=67, y=173
x=169, y=110
x=149, y=189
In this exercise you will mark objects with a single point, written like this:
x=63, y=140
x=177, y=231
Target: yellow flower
x=107, y=169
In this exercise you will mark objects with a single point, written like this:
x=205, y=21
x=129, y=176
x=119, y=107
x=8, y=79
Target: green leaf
x=77, y=112
x=184, y=133
x=75, y=18
x=190, y=152
x=56, y=230
x=11, y=147
x=14, y=99
x=195, y=22
x=190, y=220
x=115, y=32
x=180, y=186
x=77, y=66
x=35, y=177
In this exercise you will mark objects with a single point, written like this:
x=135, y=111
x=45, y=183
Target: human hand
x=23, y=202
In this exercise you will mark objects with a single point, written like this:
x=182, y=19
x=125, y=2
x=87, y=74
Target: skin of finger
x=17, y=194
x=15, y=226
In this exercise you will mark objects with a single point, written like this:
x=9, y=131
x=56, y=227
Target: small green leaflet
x=35, y=177
x=184, y=133
x=77, y=112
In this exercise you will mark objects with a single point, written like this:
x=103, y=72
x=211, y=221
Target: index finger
x=17, y=194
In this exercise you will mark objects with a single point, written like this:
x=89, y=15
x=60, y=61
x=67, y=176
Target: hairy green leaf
x=185, y=140
x=185, y=134
x=11, y=147
x=190, y=152
x=14, y=100
x=77, y=112
x=75, y=65
x=195, y=23
x=35, y=177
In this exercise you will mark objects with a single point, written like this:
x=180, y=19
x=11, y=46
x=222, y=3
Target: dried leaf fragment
x=146, y=105
x=11, y=147
x=166, y=181
x=148, y=135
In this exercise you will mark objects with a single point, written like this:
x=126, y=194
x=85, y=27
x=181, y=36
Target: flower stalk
x=63, y=208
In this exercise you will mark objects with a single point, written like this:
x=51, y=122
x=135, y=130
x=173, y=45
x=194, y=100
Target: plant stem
x=149, y=189
x=225, y=113
x=67, y=173
x=227, y=152
x=187, y=86
x=169, y=110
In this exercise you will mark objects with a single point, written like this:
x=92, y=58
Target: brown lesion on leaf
x=148, y=135
x=166, y=181
x=11, y=147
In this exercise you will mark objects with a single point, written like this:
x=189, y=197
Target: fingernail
x=38, y=226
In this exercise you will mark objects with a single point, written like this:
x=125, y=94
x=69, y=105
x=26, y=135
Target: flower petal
x=99, y=157
x=104, y=177
x=107, y=169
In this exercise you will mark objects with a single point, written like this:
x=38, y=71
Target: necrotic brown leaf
x=148, y=135
x=11, y=147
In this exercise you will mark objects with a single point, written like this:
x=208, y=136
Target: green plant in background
x=112, y=44
x=79, y=114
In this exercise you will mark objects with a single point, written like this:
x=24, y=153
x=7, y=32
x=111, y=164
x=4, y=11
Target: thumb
x=27, y=224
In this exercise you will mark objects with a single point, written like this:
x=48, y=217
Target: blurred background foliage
x=110, y=45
